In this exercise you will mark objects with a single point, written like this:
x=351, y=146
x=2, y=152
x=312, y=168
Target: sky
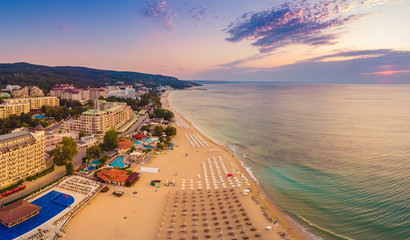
x=339, y=41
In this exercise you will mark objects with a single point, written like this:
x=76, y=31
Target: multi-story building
x=53, y=138
x=35, y=103
x=125, y=93
x=105, y=116
x=21, y=154
x=67, y=91
x=7, y=109
x=4, y=95
x=28, y=91
x=11, y=88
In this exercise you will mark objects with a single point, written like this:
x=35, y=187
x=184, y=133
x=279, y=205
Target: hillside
x=47, y=77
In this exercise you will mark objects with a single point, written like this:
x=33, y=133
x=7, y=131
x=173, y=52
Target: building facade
x=28, y=91
x=105, y=116
x=69, y=92
x=35, y=103
x=126, y=93
x=21, y=154
x=7, y=109
x=52, y=139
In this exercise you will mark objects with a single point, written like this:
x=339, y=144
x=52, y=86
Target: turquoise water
x=118, y=162
x=137, y=142
x=39, y=116
x=95, y=162
x=335, y=157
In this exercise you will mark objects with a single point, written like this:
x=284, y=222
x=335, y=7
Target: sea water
x=335, y=157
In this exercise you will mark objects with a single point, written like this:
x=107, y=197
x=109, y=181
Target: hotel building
x=21, y=154
x=105, y=116
x=35, y=103
x=7, y=109
x=67, y=91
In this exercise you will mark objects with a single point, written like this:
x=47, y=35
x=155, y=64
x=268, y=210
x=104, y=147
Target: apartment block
x=35, y=103
x=28, y=91
x=68, y=91
x=7, y=109
x=105, y=116
x=21, y=154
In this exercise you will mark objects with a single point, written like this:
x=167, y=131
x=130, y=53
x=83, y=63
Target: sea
x=335, y=157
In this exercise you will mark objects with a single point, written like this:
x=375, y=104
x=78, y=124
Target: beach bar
x=113, y=176
x=18, y=212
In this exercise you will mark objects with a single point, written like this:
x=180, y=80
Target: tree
x=93, y=152
x=160, y=145
x=163, y=113
x=69, y=168
x=170, y=131
x=81, y=134
x=157, y=102
x=158, y=131
x=132, y=149
x=64, y=151
x=110, y=140
x=103, y=159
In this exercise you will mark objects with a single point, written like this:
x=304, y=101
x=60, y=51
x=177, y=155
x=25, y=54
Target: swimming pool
x=147, y=147
x=39, y=116
x=95, y=162
x=118, y=162
x=137, y=143
x=51, y=204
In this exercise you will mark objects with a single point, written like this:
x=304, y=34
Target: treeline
x=162, y=113
x=67, y=108
x=15, y=121
x=46, y=77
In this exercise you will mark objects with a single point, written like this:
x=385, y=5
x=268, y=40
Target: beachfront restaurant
x=113, y=176
x=17, y=212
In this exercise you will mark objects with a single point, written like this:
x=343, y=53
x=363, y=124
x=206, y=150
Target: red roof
x=139, y=136
x=17, y=210
x=112, y=175
x=124, y=143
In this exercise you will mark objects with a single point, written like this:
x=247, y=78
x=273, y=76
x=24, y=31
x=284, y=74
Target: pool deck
x=81, y=189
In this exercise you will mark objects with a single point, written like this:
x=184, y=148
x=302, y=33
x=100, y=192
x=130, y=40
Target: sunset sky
x=339, y=41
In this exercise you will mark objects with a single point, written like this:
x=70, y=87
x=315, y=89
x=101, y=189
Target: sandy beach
x=204, y=197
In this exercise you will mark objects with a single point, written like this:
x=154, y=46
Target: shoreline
x=291, y=224
x=158, y=212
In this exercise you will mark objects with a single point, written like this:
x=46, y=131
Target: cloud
x=299, y=22
x=365, y=66
x=64, y=28
x=198, y=13
x=158, y=10
x=238, y=62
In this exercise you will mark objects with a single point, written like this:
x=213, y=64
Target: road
x=58, y=172
x=49, y=129
x=137, y=125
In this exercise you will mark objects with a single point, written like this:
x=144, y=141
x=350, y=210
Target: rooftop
x=16, y=211
x=113, y=174
x=124, y=143
x=14, y=136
